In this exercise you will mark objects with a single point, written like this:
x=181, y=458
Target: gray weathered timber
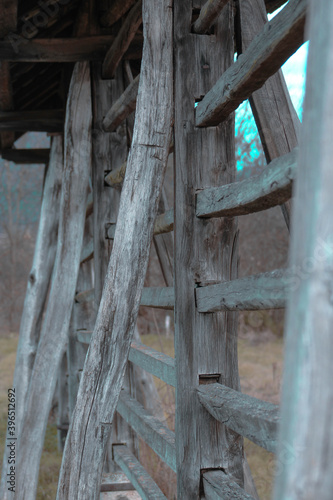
x=204, y=251
x=208, y=14
x=306, y=436
x=163, y=239
x=116, y=482
x=89, y=48
x=154, y=362
x=116, y=11
x=55, y=326
x=87, y=252
x=63, y=408
x=24, y=156
x=85, y=296
x=218, y=486
x=151, y=429
x=260, y=291
x=34, y=121
x=274, y=113
x=278, y=40
x=137, y=474
x=105, y=365
x=252, y=418
x=89, y=206
x=125, y=105
x=260, y=192
x=84, y=336
x=160, y=297
x=37, y=287
x=122, y=41
x=116, y=177
x=163, y=224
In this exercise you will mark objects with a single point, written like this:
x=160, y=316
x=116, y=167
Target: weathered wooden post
x=38, y=283
x=54, y=331
x=108, y=353
x=305, y=457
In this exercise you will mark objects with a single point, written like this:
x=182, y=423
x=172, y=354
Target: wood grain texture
x=306, y=437
x=85, y=296
x=137, y=474
x=87, y=252
x=278, y=40
x=252, y=418
x=218, y=486
x=26, y=156
x=154, y=362
x=32, y=121
x=160, y=297
x=163, y=224
x=108, y=352
x=274, y=113
x=55, y=326
x=260, y=192
x=63, y=408
x=122, y=107
x=122, y=41
x=116, y=176
x=117, y=9
x=208, y=14
x=152, y=431
x=260, y=291
x=204, y=250
x=37, y=287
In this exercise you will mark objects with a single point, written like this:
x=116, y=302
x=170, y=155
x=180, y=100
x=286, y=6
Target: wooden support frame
x=202, y=341
x=154, y=362
x=208, y=14
x=26, y=156
x=218, y=485
x=33, y=121
x=124, y=106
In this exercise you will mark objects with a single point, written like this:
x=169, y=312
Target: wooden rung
x=149, y=428
x=124, y=106
x=154, y=362
x=270, y=188
x=32, y=121
x=217, y=485
x=261, y=291
x=136, y=473
x=279, y=39
x=163, y=224
x=87, y=252
x=116, y=481
x=253, y=418
x=26, y=156
x=208, y=14
x=159, y=297
x=86, y=296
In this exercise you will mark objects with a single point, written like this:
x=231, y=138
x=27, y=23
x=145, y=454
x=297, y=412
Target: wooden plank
x=150, y=429
x=252, y=418
x=163, y=224
x=306, y=435
x=62, y=410
x=260, y=192
x=84, y=336
x=103, y=374
x=204, y=251
x=26, y=156
x=154, y=362
x=122, y=107
x=274, y=113
x=116, y=481
x=279, y=39
x=116, y=176
x=261, y=291
x=122, y=41
x=34, y=121
x=54, y=331
x=218, y=486
x=163, y=239
x=160, y=297
x=116, y=11
x=137, y=474
x=88, y=48
x=85, y=296
x=37, y=287
x=208, y=14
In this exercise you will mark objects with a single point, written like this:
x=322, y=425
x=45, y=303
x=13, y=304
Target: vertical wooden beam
x=37, y=287
x=108, y=352
x=305, y=457
x=274, y=113
x=62, y=412
x=205, y=344
x=55, y=327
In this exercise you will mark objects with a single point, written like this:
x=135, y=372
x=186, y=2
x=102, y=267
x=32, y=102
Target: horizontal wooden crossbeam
x=34, y=121
x=217, y=485
x=149, y=428
x=136, y=473
x=279, y=39
x=26, y=156
x=158, y=297
x=116, y=481
x=252, y=418
x=124, y=106
x=163, y=224
x=154, y=362
x=261, y=291
x=270, y=188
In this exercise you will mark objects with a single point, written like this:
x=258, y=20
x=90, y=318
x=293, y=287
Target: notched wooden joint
x=209, y=378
